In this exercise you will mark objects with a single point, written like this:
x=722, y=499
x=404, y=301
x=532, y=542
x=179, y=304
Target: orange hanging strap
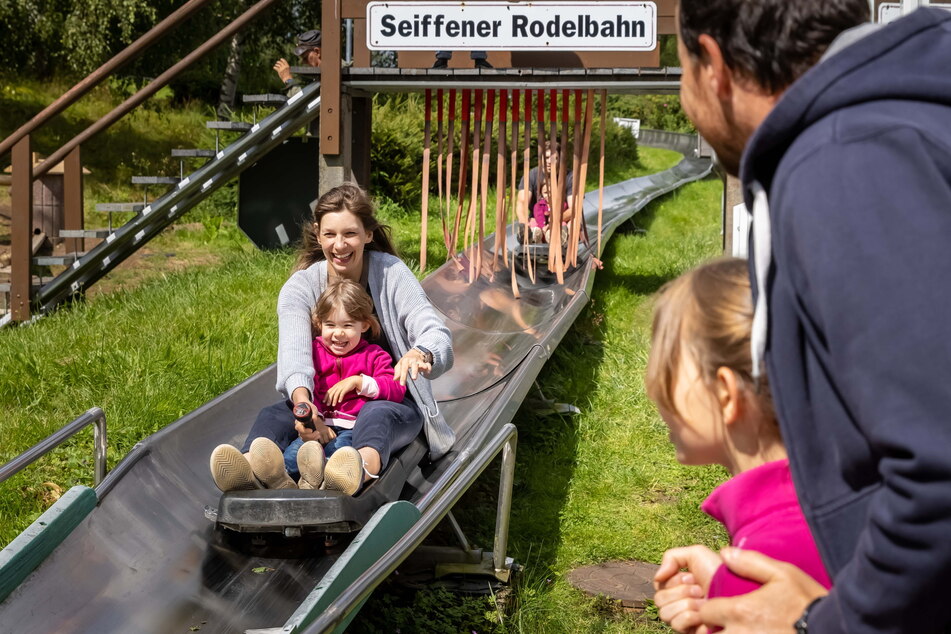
x=450, y=148
x=527, y=183
x=500, y=206
x=604, y=106
x=555, y=261
x=474, y=188
x=424, y=226
x=565, y=196
x=484, y=180
x=440, y=159
x=463, y=167
x=588, y=124
x=513, y=159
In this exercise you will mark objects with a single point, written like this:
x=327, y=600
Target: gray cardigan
x=407, y=317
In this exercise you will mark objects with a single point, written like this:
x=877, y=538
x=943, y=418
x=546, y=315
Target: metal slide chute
x=146, y=559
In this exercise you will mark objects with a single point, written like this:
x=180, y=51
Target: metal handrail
x=364, y=585
x=94, y=416
x=95, y=78
x=152, y=87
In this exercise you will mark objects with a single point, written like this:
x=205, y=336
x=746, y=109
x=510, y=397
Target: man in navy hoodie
x=842, y=139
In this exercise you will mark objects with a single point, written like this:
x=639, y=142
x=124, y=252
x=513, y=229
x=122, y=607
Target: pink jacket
x=366, y=358
x=760, y=510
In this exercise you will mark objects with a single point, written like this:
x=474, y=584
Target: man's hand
x=337, y=393
x=412, y=363
x=283, y=69
x=775, y=607
x=679, y=594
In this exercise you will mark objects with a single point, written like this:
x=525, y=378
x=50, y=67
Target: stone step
x=84, y=233
x=192, y=153
x=228, y=125
x=268, y=99
x=155, y=180
x=133, y=207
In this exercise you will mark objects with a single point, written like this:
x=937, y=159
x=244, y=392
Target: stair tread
x=65, y=259
x=155, y=180
x=136, y=207
x=84, y=233
x=228, y=125
x=266, y=98
x=187, y=152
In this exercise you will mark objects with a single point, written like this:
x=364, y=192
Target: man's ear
x=729, y=395
x=715, y=70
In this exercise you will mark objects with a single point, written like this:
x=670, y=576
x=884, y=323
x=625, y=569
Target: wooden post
x=73, y=198
x=330, y=93
x=21, y=229
x=361, y=54
x=336, y=169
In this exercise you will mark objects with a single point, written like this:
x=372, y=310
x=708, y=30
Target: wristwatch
x=802, y=625
x=427, y=355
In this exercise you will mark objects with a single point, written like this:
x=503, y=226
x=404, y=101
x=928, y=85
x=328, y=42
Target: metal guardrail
x=94, y=416
x=434, y=511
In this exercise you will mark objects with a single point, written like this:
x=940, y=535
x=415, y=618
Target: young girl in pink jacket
x=700, y=375
x=350, y=371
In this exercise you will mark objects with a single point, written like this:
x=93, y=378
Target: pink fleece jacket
x=367, y=359
x=760, y=510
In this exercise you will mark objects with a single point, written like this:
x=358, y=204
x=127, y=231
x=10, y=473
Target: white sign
x=634, y=125
x=889, y=11
x=510, y=26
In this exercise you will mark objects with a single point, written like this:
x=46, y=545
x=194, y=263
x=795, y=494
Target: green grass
x=146, y=356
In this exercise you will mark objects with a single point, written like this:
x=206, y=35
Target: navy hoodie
x=855, y=161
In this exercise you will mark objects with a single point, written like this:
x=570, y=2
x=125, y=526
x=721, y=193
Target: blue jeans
x=344, y=439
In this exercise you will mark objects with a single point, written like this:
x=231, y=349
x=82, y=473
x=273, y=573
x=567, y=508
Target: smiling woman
x=345, y=241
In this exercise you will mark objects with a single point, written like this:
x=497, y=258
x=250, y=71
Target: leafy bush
x=658, y=112
x=433, y=611
x=396, y=149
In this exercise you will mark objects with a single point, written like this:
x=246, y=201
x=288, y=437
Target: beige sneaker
x=310, y=463
x=344, y=471
x=231, y=470
x=267, y=463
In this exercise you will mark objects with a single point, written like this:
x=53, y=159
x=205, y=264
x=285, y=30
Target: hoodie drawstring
x=762, y=259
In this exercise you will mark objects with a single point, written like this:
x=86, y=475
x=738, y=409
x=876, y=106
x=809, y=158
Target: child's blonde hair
x=705, y=315
x=351, y=298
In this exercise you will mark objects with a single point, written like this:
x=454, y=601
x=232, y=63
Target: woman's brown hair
x=347, y=197
x=349, y=296
x=705, y=315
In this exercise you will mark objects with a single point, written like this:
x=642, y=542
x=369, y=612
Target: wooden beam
x=330, y=79
x=21, y=228
x=73, y=198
